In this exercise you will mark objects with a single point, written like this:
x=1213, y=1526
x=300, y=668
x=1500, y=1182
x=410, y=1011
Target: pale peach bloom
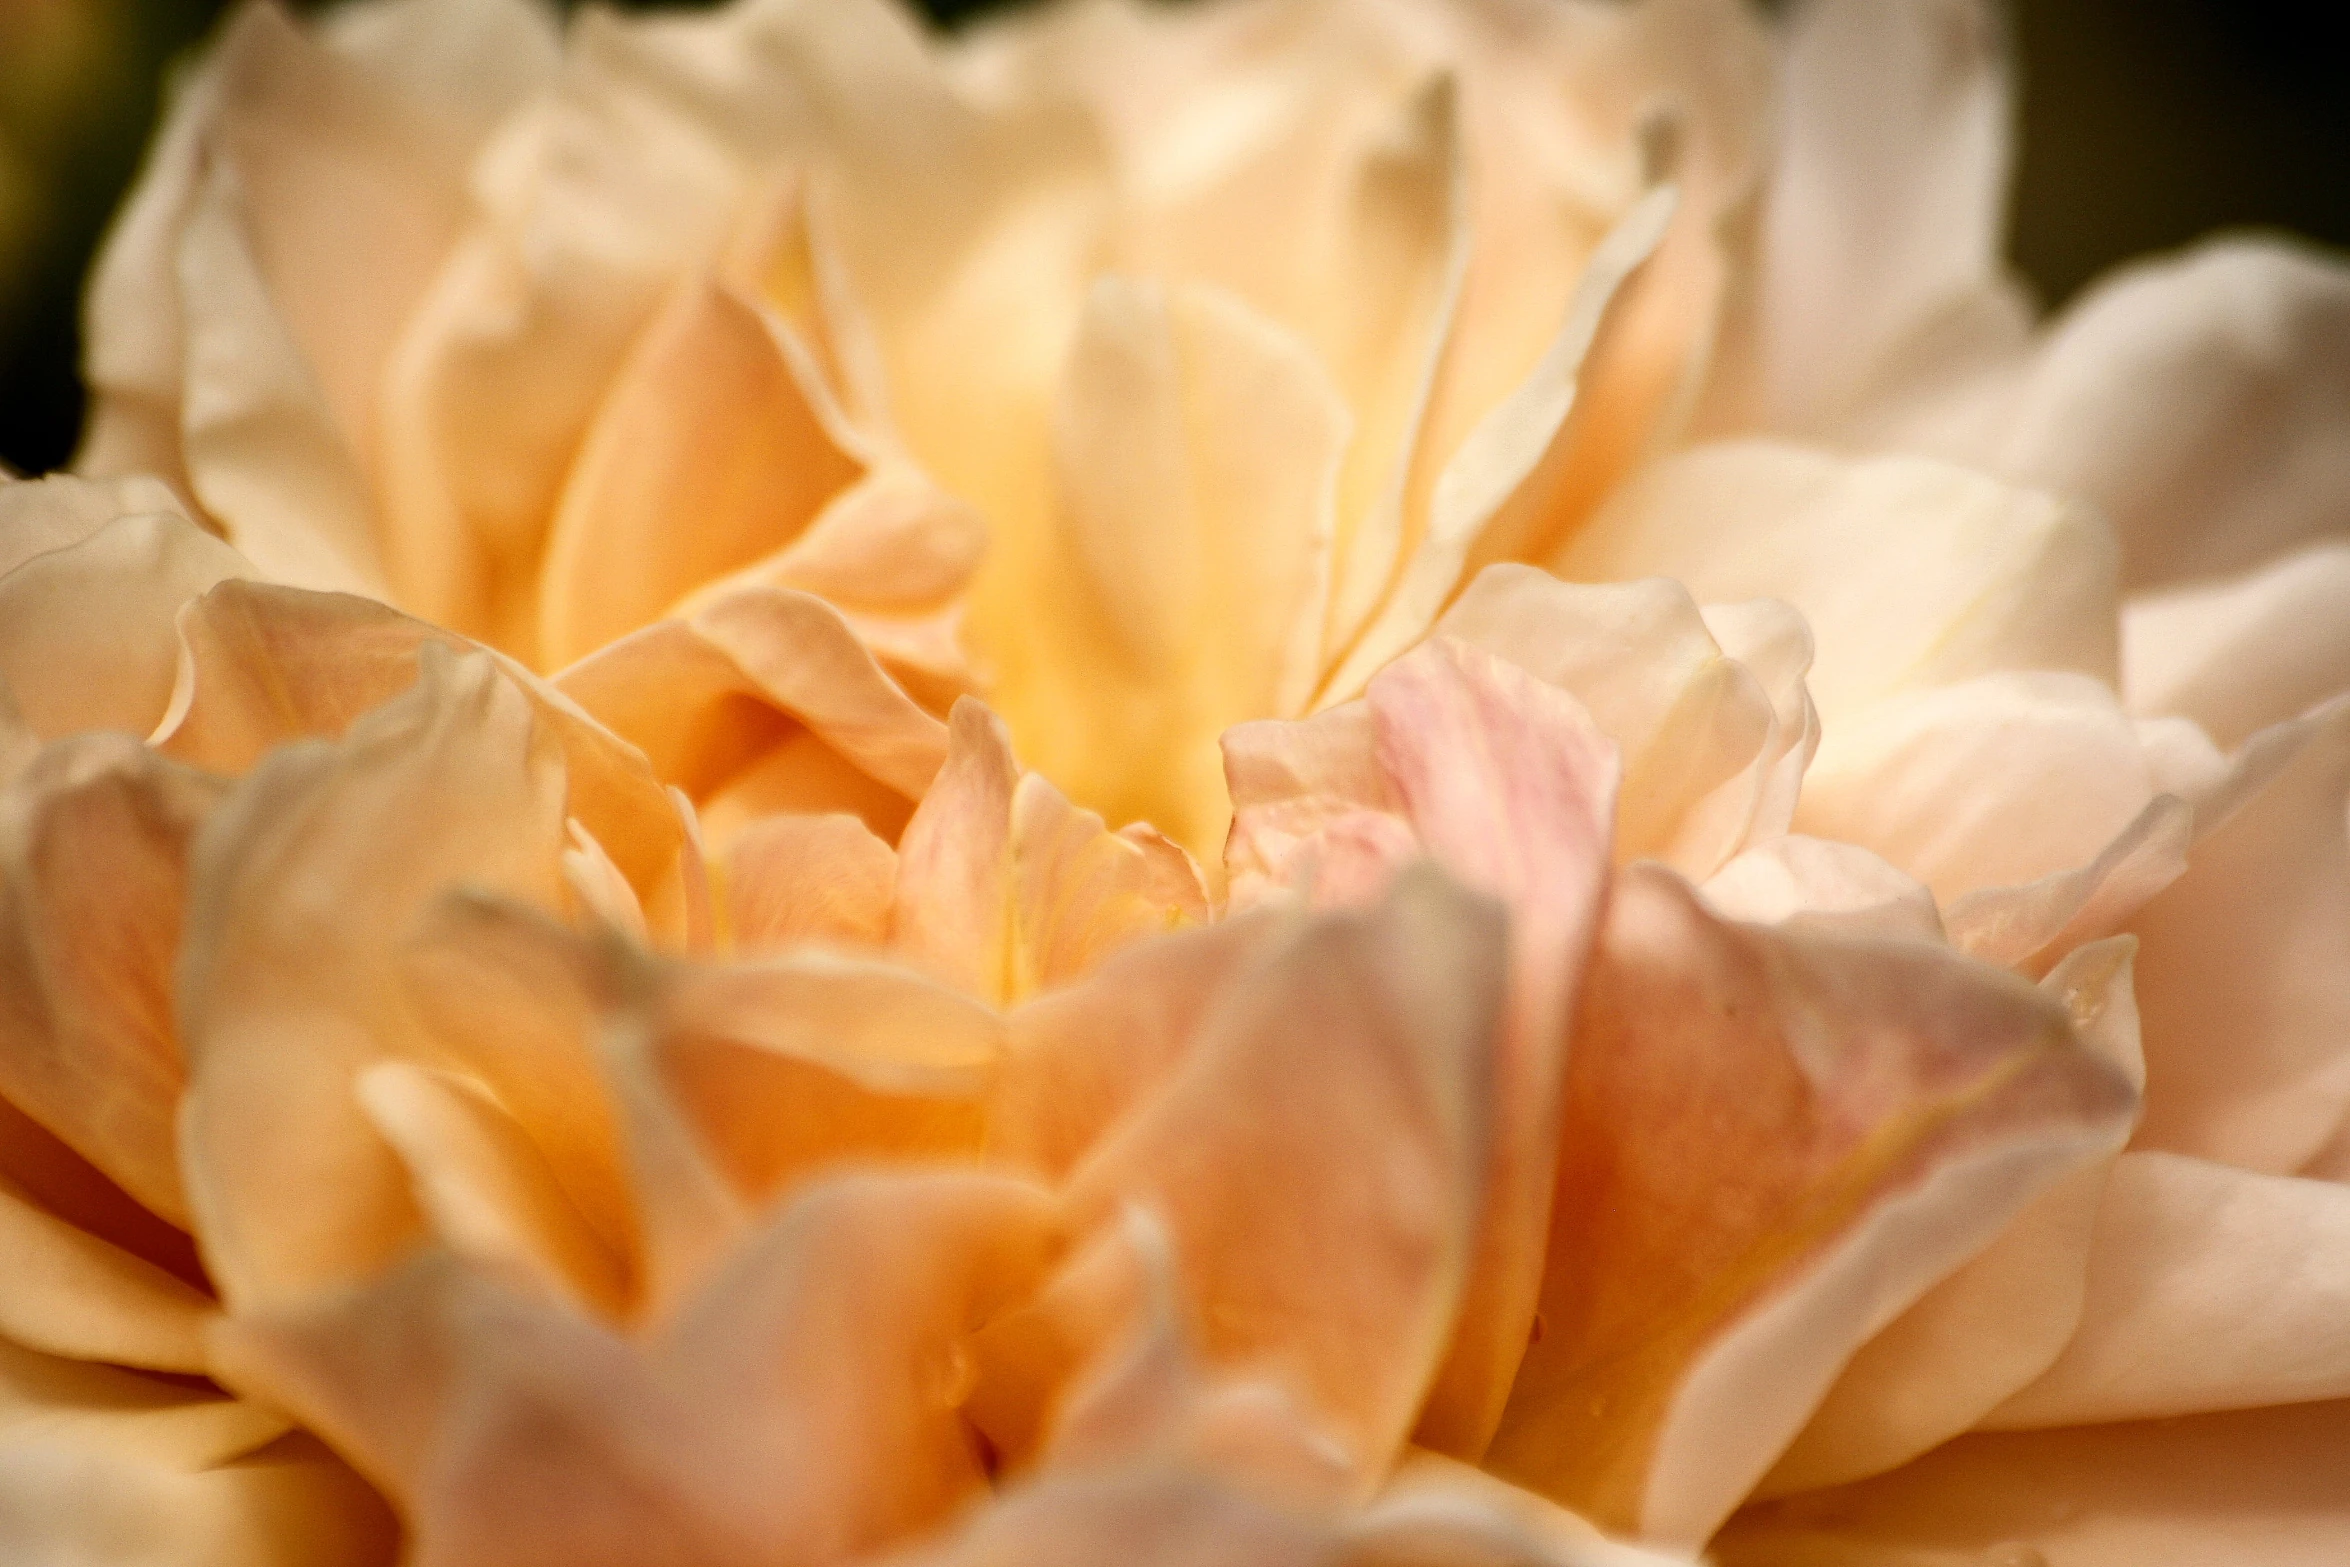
x=1373, y=782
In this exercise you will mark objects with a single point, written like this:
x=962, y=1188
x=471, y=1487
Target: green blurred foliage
x=2147, y=123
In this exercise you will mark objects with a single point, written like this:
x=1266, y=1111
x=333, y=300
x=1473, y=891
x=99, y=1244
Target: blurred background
x=2146, y=124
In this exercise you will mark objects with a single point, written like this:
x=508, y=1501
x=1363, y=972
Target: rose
x=1949, y=1131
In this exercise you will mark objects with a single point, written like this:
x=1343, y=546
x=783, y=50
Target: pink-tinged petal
x=2256, y=1488
x=2239, y=655
x=263, y=665
x=1886, y=212
x=290, y=1505
x=484, y=1188
x=2193, y=401
x=2209, y=1288
x=305, y=881
x=86, y=639
x=795, y=879
x=707, y=695
x=1774, y=1141
x=1705, y=745
x=1980, y=577
x=1080, y=1058
x=707, y=420
x=2002, y=1318
x=94, y=843
x=1301, y=1277
x=2245, y=1001
x=1005, y=888
x=1994, y=782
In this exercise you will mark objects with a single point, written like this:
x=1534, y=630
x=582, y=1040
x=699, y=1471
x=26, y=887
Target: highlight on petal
x=1978, y=577
x=1881, y=1110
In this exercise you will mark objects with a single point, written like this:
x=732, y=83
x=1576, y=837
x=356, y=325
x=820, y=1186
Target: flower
x=1377, y=782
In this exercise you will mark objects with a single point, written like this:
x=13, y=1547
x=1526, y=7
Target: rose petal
x=2258, y=1486
x=262, y=665
x=2209, y=1288
x=707, y=420
x=74, y=1406
x=2245, y=1005
x=1880, y=1110
x=2239, y=655
x=2192, y=400
x=304, y=883
x=1979, y=578
x=794, y=879
x=1827, y=885
x=60, y=510
x=85, y=631
x=94, y=846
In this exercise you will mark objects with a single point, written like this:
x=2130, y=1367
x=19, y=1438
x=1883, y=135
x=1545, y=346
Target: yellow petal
x=1773, y=1142
x=281, y=1005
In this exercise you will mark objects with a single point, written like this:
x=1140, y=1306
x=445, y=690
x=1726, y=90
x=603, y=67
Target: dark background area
x=2146, y=124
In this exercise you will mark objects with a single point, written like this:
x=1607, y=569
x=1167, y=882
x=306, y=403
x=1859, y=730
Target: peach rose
x=1379, y=782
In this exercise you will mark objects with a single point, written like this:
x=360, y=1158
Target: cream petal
x=1980, y=577
x=2209, y=1288
x=262, y=665
x=795, y=879
x=1885, y=222
x=1700, y=735
x=94, y=844
x=2031, y=926
x=304, y=882
x=471, y=62
x=58, y=510
x=2244, y=1002
x=2258, y=1487
x=706, y=420
x=484, y=1189
x=2192, y=400
x=1993, y=782
x=1197, y=448
x=1882, y=1109
x=85, y=630
x=2002, y=1318
x=1435, y=1510
x=2239, y=655
x=290, y=1506
x=1298, y=1277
